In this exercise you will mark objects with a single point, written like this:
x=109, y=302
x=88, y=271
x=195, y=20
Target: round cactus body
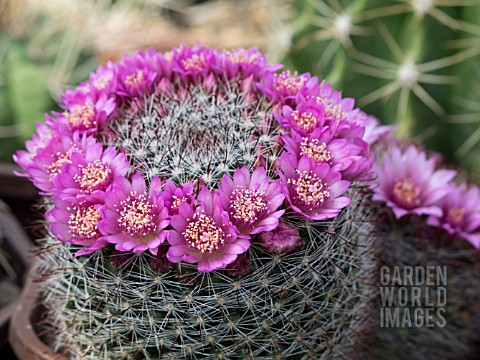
x=207, y=206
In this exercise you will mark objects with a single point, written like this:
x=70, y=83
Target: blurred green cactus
x=411, y=62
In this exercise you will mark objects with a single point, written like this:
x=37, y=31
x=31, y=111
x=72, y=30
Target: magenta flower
x=39, y=140
x=51, y=160
x=351, y=157
x=133, y=218
x=205, y=235
x=312, y=189
x=76, y=222
x=194, y=62
x=305, y=119
x=245, y=62
x=284, y=87
x=252, y=202
x=409, y=184
x=336, y=107
x=361, y=161
x=135, y=75
x=460, y=213
x=93, y=171
x=86, y=110
x=283, y=239
x=175, y=195
x=374, y=131
x=102, y=80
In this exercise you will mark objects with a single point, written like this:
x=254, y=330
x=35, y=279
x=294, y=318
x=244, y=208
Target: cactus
x=201, y=205
x=412, y=62
x=297, y=305
x=421, y=240
x=417, y=246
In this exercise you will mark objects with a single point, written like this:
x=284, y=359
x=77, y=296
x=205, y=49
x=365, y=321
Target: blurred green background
x=415, y=63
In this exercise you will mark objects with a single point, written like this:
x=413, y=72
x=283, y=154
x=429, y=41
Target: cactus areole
x=200, y=200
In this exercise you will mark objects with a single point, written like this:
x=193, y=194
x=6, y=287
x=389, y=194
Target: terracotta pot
x=22, y=336
x=15, y=250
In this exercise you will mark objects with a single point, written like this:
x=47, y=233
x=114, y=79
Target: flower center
x=247, y=206
x=455, y=216
x=177, y=201
x=315, y=151
x=308, y=190
x=137, y=217
x=101, y=82
x=94, y=176
x=305, y=121
x=83, y=222
x=240, y=56
x=196, y=133
x=194, y=63
x=135, y=81
x=333, y=112
x=407, y=193
x=289, y=85
x=55, y=167
x=203, y=234
x=82, y=117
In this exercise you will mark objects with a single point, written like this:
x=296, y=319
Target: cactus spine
x=315, y=303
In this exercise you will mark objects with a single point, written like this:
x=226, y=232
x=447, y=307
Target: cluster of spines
x=205, y=135
x=289, y=306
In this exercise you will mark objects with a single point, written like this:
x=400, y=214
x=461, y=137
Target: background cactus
x=412, y=62
x=410, y=243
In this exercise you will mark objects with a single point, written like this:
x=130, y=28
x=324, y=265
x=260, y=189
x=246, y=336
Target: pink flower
x=51, y=160
x=39, y=140
x=205, y=235
x=193, y=63
x=103, y=80
x=135, y=75
x=409, y=184
x=175, y=195
x=460, y=213
x=133, y=218
x=283, y=239
x=336, y=107
x=76, y=222
x=313, y=190
x=284, y=87
x=86, y=110
x=305, y=119
x=245, y=62
x=374, y=131
x=251, y=202
x=351, y=157
x=92, y=171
